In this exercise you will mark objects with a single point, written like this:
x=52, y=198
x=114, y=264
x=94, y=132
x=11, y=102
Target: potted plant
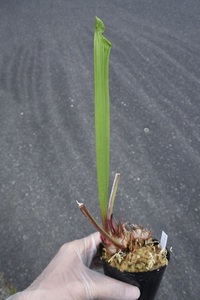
x=129, y=252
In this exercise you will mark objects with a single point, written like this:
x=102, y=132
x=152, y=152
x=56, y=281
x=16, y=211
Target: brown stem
x=88, y=215
x=112, y=195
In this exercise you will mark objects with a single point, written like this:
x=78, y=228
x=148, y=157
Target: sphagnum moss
x=146, y=255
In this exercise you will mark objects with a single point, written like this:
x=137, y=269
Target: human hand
x=68, y=277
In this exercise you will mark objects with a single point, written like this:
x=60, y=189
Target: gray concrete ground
x=47, y=152
x=5, y=288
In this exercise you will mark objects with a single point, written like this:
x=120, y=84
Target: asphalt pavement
x=47, y=151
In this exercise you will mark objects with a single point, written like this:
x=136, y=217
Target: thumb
x=112, y=289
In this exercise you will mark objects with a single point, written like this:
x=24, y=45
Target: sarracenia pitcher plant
x=115, y=236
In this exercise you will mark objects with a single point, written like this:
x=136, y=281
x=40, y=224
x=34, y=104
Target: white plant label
x=163, y=240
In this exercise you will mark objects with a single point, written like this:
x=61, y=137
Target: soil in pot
x=143, y=267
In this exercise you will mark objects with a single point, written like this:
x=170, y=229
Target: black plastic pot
x=148, y=282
